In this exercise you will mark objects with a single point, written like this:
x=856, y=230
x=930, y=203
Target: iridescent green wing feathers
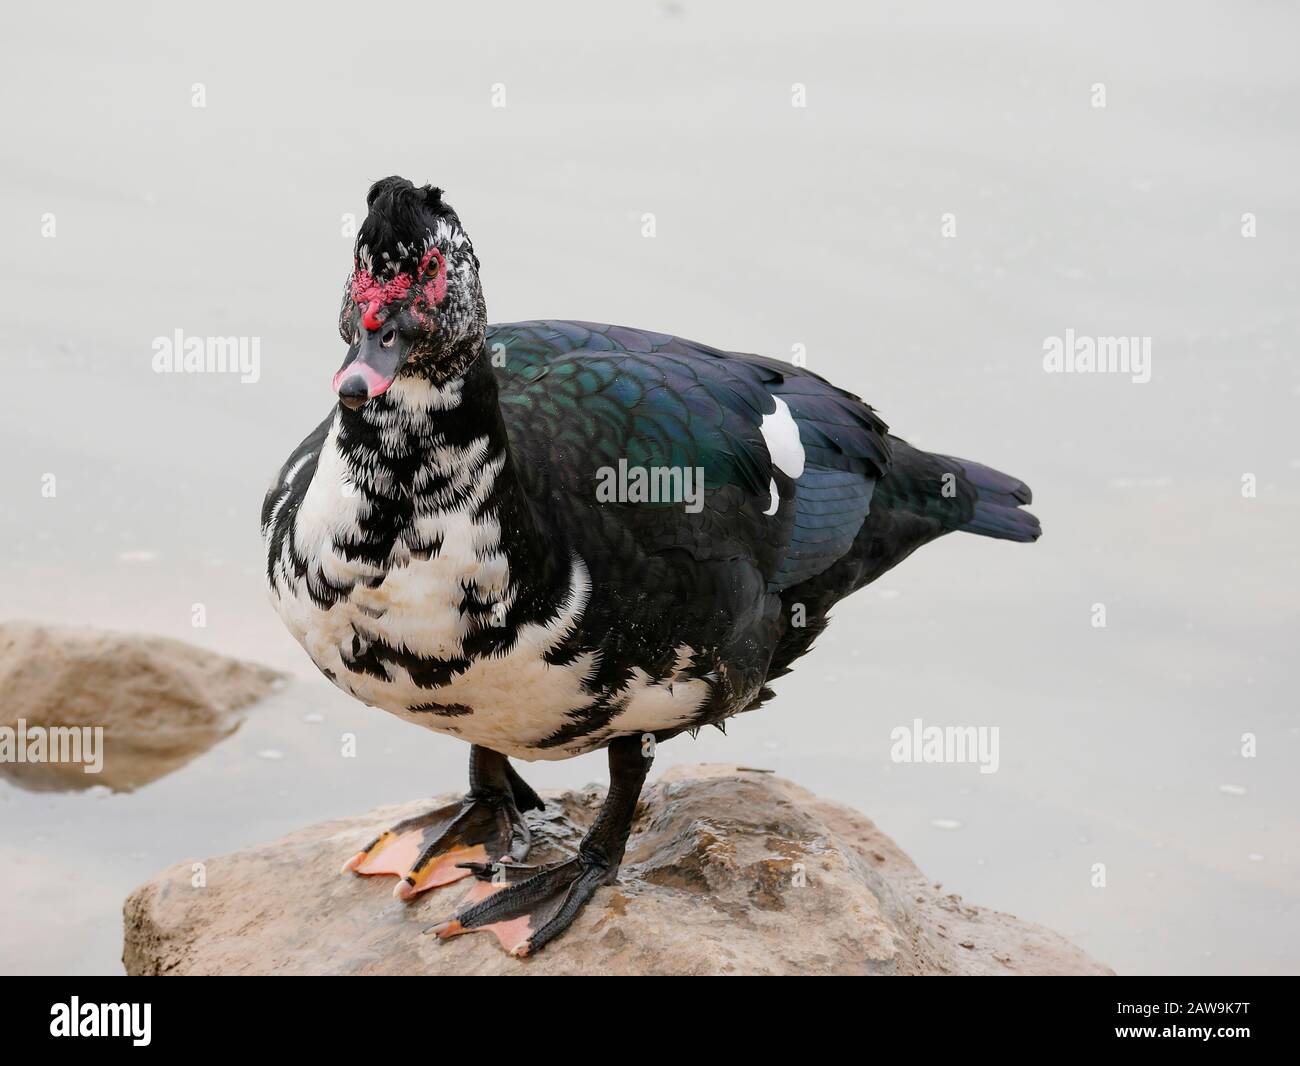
x=579, y=398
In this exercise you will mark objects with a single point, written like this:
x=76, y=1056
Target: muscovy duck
x=551, y=537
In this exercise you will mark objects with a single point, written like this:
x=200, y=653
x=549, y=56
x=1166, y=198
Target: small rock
x=159, y=702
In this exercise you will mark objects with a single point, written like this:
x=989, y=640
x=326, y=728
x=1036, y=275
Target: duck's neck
x=424, y=451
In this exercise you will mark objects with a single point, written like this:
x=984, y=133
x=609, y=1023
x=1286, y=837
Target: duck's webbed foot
x=487, y=826
x=529, y=906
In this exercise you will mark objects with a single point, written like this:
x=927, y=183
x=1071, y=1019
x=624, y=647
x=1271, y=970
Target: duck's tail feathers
x=998, y=497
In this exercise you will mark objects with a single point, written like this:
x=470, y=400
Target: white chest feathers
x=412, y=604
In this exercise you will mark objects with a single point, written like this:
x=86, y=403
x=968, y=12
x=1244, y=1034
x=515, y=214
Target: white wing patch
x=776, y=498
x=781, y=435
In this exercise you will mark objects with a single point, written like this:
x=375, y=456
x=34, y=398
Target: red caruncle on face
x=373, y=298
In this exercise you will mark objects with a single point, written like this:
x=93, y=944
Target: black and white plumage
x=441, y=547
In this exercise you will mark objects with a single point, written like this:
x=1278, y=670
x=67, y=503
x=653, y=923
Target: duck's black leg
x=486, y=826
x=529, y=906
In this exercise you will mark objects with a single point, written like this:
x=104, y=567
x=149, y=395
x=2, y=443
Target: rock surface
x=727, y=872
x=160, y=702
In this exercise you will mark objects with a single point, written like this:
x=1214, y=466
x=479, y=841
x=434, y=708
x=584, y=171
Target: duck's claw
x=429, y=850
x=526, y=907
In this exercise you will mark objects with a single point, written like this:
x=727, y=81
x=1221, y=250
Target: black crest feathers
x=399, y=215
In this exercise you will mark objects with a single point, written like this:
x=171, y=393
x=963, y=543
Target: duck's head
x=413, y=304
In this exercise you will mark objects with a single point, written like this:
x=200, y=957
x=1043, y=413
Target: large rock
x=727, y=872
x=159, y=702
